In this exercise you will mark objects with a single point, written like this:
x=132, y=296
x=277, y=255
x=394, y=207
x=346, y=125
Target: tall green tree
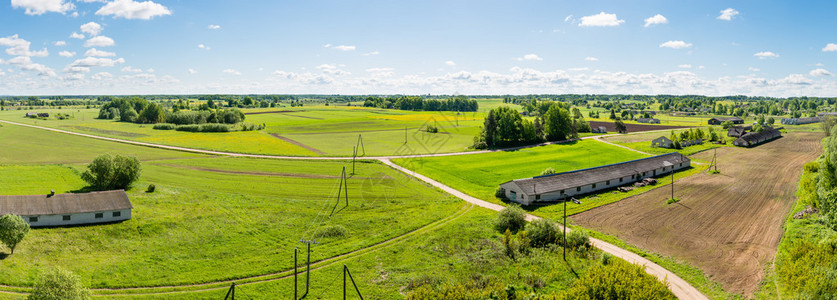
x=59, y=284
x=108, y=172
x=557, y=124
x=12, y=230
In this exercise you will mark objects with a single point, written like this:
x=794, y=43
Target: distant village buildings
x=719, y=120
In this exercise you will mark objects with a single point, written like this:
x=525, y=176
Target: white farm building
x=561, y=186
x=69, y=209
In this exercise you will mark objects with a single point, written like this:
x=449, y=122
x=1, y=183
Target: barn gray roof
x=572, y=179
x=754, y=138
x=722, y=119
x=32, y=205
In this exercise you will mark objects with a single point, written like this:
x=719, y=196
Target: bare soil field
x=728, y=224
x=634, y=127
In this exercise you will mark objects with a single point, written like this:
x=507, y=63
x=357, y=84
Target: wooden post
x=296, y=250
x=672, y=183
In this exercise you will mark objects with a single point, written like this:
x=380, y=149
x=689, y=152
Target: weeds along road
x=680, y=288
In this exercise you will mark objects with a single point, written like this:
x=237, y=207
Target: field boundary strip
x=682, y=289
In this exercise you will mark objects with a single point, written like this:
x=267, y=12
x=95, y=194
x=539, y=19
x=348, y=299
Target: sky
x=716, y=48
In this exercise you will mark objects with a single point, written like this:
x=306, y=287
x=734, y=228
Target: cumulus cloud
x=66, y=54
x=39, y=7
x=60, y=43
x=99, y=41
x=751, y=69
x=675, y=45
x=327, y=46
x=727, y=14
x=232, y=71
x=204, y=47
x=528, y=57
x=332, y=69
x=192, y=71
x=685, y=66
x=102, y=76
x=129, y=69
x=371, y=53
x=345, y=48
x=766, y=55
x=99, y=53
x=590, y=58
x=92, y=28
x=213, y=26
x=450, y=63
x=25, y=63
x=830, y=47
x=20, y=47
x=76, y=35
x=130, y=9
x=820, y=72
x=96, y=62
x=656, y=19
x=600, y=20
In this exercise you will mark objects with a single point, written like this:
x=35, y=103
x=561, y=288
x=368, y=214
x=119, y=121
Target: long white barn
x=564, y=185
x=69, y=209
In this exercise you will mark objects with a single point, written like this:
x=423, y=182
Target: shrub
x=108, y=172
x=672, y=200
x=129, y=115
x=164, y=126
x=500, y=192
x=542, y=232
x=12, y=230
x=548, y=171
x=333, y=231
x=59, y=284
x=618, y=280
x=510, y=218
x=577, y=240
x=214, y=127
x=151, y=188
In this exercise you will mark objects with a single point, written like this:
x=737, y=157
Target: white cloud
x=345, y=48
x=99, y=41
x=675, y=45
x=685, y=66
x=66, y=54
x=92, y=28
x=76, y=35
x=204, y=47
x=231, y=71
x=130, y=9
x=88, y=62
x=568, y=18
x=578, y=69
x=590, y=58
x=751, y=69
x=602, y=19
x=213, y=26
x=529, y=57
x=192, y=71
x=381, y=72
x=285, y=75
x=99, y=53
x=39, y=7
x=129, y=69
x=656, y=19
x=327, y=46
x=60, y=43
x=149, y=70
x=371, y=53
x=727, y=14
x=25, y=63
x=332, y=69
x=766, y=54
x=450, y=63
x=102, y=76
x=20, y=47
x=820, y=72
x=830, y=47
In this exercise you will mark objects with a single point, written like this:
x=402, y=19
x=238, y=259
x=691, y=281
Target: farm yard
x=726, y=224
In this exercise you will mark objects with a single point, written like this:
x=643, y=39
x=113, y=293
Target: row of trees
x=505, y=127
x=142, y=111
x=416, y=103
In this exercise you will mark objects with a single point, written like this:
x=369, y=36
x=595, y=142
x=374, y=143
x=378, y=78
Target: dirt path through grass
x=315, y=150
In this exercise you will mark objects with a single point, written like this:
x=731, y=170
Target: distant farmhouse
x=600, y=129
x=800, y=121
x=563, y=185
x=662, y=142
x=648, y=120
x=37, y=115
x=833, y=114
x=719, y=120
x=69, y=209
x=738, y=131
x=755, y=138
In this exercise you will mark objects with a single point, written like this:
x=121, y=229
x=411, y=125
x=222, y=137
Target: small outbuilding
x=600, y=129
x=800, y=121
x=648, y=120
x=662, y=142
x=69, y=209
x=754, y=138
x=738, y=131
x=719, y=120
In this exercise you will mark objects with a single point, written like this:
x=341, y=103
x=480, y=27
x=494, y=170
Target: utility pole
x=672, y=183
x=564, y=246
x=405, y=135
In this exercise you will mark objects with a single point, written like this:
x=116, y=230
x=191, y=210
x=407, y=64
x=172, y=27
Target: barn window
x=562, y=192
x=578, y=189
x=119, y=213
x=633, y=176
x=33, y=219
x=66, y=217
x=100, y=215
x=607, y=182
x=537, y=197
x=681, y=164
x=620, y=179
x=594, y=185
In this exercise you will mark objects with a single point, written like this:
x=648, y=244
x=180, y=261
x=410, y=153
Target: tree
x=59, y=284
x=12, y=230
x=770, y=120
x=152, y=114
x=558, y=124
x=511, y=217
x=612, y=114
x=247, y=101
x=107, y=172
x=620, y=126
x=490, y=128
x=726, y=124
x=760, y=120
x=211, y=104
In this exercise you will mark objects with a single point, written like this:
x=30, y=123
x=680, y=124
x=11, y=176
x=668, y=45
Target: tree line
x=417, y=103
x=504, y=126
x=139, y=110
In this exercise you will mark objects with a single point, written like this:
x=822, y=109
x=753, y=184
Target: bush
x=500, y=193
x=542, y=232
x=108, y=172
x=333, y=231
x=578, y=240
x=618, y=280
x=59, y=284
x=510, y=218
x=214, y=127
x=151, y=188
x=12, y=230
x=672, y=200
x=164, y=126
x=548, y=171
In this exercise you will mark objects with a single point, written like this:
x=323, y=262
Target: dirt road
x=728, y=224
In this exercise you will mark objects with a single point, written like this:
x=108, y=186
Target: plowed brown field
x=728, y=224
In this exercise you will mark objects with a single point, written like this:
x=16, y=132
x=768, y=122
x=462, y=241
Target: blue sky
x=769, y=48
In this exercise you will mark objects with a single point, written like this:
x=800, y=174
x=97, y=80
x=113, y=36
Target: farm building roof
x=572, y=179
x=722, y=119
x=31, y=205
x=754, y=138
